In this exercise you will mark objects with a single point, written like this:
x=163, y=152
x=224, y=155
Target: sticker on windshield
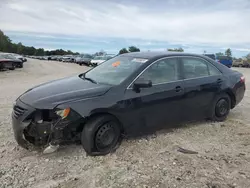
x=115, y=64
x=139, y=60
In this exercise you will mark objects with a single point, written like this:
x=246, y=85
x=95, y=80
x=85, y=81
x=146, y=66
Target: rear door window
x=195, y=68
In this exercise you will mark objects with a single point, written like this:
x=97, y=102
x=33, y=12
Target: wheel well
x=232, y=97
x=100, y=114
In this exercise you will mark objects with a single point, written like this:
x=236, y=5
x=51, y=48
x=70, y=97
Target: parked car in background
x=23, y=59
x=97, y=60
x=18, y=62
x=59, y=58
x=53, y=58
x=129, y=94
x=225, y=60
x=83, y=59
x=241, y=63
x=238, y=63
x=6, y=63
x=69, y=59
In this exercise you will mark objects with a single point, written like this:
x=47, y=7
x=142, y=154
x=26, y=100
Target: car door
x=202, y=81
x=160, y=104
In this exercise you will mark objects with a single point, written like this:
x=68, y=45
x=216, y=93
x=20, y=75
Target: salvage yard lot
x=223, y=158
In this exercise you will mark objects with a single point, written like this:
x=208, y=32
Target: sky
x=88, y=26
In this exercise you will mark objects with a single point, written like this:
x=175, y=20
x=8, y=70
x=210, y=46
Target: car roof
x=150, y=55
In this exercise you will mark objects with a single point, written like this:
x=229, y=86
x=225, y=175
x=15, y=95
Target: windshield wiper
x=90, y=79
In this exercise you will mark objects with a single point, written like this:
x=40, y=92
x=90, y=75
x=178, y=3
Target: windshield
x=87, y=56
x=99, y=58
x=7, y=56
x=115, y=70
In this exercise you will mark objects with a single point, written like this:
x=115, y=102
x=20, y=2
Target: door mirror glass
x=141, y=83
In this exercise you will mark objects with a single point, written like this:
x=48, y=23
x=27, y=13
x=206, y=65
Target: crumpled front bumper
x=28, y=131
x=20, y=122
x=18, y=128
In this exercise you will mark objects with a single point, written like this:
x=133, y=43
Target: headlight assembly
x=63, y=113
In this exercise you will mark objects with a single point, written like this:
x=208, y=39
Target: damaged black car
x=125, y=95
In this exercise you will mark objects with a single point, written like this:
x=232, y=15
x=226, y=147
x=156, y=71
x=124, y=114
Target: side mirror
x=141, y=83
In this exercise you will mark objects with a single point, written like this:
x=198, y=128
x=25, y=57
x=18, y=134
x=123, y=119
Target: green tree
x=228, y=52
x=123, y=51
x=20, y=48
x=39, y=52
x=219, y=54
x=5, y=42
x=133, y=49
x=248, y=56
x=175, y=50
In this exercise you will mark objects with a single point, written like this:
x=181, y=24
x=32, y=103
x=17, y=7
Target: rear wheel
x=221, y=107
x=101, y=135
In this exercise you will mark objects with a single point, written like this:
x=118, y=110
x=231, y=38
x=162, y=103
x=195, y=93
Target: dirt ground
x=223, y=158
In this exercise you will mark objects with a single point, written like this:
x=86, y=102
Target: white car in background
x=99, y=60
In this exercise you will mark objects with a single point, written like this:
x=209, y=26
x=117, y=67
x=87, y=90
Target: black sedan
x=126, y=95
x=7, y=63
x=18, y=63
x=83, y=60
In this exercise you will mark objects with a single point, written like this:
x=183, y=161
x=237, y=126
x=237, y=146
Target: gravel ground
x=223, y=158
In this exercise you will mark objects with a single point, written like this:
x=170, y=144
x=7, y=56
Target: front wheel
x=221, y=107
x=101, y=135
x=12, y=67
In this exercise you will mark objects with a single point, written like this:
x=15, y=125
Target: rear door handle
x=178, y=89
x=219, y=81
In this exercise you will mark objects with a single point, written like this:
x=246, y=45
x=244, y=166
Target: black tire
x=21, y=65
x=221, y=107
x=101, y=135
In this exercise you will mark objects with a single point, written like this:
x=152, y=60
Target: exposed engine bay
x=49, y=126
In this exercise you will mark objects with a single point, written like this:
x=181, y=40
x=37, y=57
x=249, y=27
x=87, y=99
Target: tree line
x=228, y=53
x=6, y=45
x=135, y=49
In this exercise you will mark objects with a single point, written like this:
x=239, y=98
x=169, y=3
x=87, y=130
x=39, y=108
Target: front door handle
x=178, y=89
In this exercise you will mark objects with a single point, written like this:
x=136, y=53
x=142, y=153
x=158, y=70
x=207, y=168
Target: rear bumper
x=239, y=93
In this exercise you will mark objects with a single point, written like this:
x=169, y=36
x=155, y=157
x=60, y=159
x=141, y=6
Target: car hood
x=51, y=94
x=84, y=59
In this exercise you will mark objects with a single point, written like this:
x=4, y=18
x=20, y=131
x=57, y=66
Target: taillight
x=242, y=79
